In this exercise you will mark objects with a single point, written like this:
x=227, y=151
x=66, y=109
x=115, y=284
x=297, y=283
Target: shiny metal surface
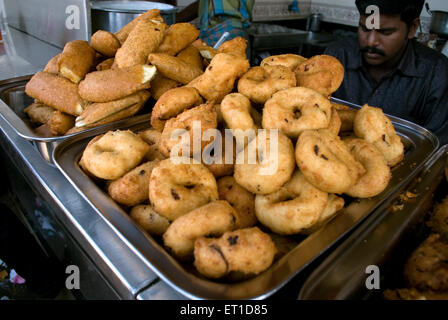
x=313, y=22
x=108, y=268
x=420, y=145
x=385, y=234
x=317, y=38
x=119, y=266
x=291, y=39
x=42, y=218
x=439, y=23
x=114, y=15
x=55, y=22
x=13, y=100
x=21, y=54
x=275, y=39
x=160, y=291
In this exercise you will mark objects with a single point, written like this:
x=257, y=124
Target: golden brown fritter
x=427, y=268
x=438, y=221
x=249, y=251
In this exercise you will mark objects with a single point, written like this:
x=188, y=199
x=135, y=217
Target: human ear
x=413, y=28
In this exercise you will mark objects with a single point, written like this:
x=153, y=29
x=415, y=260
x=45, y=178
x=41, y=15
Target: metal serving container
x=114, y=15
x=386, y=240
x=420, y=145
x=13, y=100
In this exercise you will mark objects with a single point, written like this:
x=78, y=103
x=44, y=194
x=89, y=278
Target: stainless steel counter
x=21, y=54
x=108, y=268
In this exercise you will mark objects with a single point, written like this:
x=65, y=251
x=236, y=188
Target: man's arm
x=436, y=103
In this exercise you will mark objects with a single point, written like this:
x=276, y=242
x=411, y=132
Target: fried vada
x=177, y=37
x=55, y=91
x=113, y=84
x=105, y=64
x=174, y=68
x=161, y=84
x=291, y=61
x=142, y=40
x=172, y=103
x=240, y=199
x=219, y=77
x=248, y=251
x=427, y=267
x=322, y=73
x=123, y=33
x=178, y=186
x=133, y=187
x=191, y=56
x=113, y=154
x=152, y=222
x=266, y=163
x=39, y=113
x=326, y=162
x=372, y=125
x=76, y=60
x=184, y=135
x=295, y=110
x=212, y=219
x=377, y=175
x=60, y=123
x=105, y=43
x=236, y=112
x=296, y=206
x=52, y=64
x=105, y=112
x=236, y=46
x=260, y=83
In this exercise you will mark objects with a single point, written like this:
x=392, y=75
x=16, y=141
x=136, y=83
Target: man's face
x=379, y=46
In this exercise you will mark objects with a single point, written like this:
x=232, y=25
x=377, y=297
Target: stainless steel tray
x=386, y=240
x=420, y=144
x=13, y=100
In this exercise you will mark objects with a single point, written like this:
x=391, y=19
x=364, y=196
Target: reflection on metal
x=22, y=54
x=114, y=15
x=113, y=270
x=51, y=21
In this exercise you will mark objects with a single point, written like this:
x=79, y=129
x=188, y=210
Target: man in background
x=219, y=16
x=388, y=68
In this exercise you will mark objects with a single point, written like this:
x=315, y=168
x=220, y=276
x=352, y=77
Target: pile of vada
x=310, y=154
x=113, y=76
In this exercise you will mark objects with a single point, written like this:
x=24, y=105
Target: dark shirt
x=417, y=90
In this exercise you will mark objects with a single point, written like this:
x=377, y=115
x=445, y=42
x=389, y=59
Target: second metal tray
x=13, y=100
x=387, y=237
x=420, y=144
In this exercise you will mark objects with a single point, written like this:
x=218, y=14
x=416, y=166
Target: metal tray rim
x=22, y=130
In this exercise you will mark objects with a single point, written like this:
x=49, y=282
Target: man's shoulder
x=427, y=57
